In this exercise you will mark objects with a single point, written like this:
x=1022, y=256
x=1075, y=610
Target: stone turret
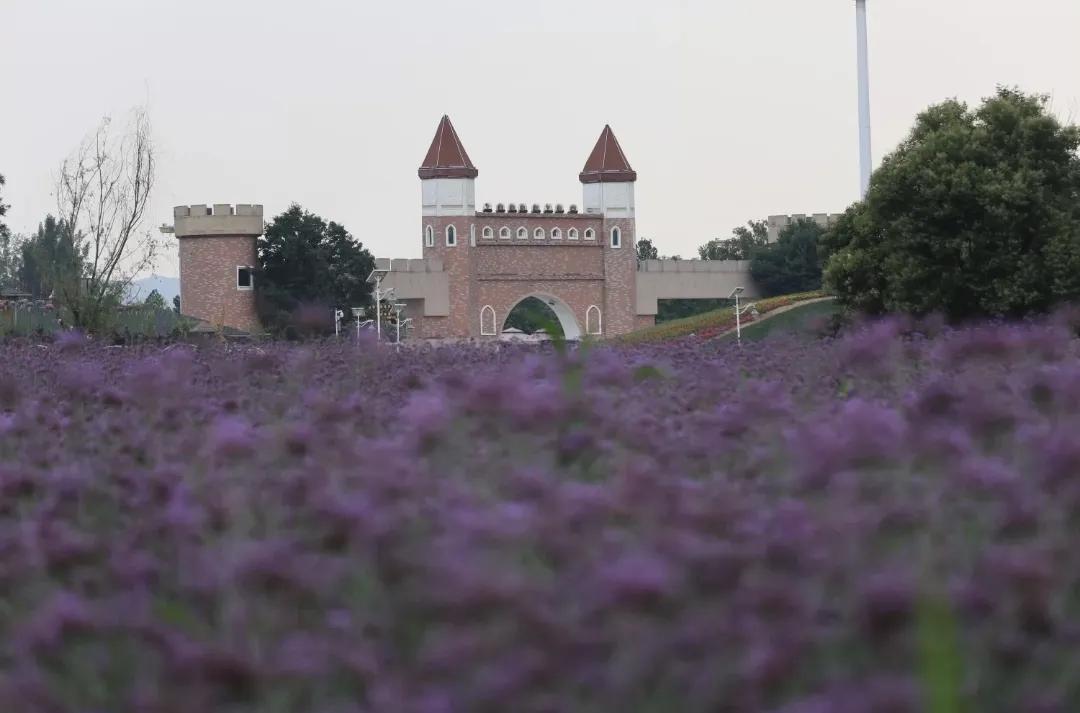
x=217, y=263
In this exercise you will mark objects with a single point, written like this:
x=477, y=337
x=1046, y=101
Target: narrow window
x=523, y=234
x=593, y=321
x=572, y=234
x=556, y=234
x=245, y=280
x=504, y=233
x=488, y=233
x=616, y=238
x=538, y=233
x=429, y=237
x=590, y=234
x=487, y=321
x=451, y=236
x=472, y=235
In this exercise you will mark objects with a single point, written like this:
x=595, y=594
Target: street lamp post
x=399, y=307
x=738, y=313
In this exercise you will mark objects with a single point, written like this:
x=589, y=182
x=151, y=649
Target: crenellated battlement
x=777, y=223
x=243, y=219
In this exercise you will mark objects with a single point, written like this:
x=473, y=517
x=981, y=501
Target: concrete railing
x=423, y=281
x=690, y=279
x=413, y=266
x=694, y=266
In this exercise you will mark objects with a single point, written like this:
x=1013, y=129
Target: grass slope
x=797, y=320
x=710, y=324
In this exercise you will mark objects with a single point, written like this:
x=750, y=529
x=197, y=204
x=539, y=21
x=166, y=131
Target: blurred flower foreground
x=883, y=522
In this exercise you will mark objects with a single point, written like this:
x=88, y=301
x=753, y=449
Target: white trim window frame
x=250, y=271
x=429, y=237
x=556, y=234
x=572, y=234
x=451, y=236
x=590, y=234
x=599, y=326
x=487, y=233
x=504, y=233
x=539, y=234
x=522, y=233
x=494, y=330
x=616, y=237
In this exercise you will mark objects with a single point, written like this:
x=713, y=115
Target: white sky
x=727, y=109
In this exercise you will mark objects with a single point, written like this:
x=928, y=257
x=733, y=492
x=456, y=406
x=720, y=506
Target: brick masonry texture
x=500, y=273
x=208, y=280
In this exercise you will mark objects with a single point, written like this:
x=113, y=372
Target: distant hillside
x=168, y=287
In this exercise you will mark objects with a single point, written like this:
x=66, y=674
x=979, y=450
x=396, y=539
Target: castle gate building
x=478, y=265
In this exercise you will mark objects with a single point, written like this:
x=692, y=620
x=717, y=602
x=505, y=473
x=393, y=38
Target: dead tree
x=102, y=194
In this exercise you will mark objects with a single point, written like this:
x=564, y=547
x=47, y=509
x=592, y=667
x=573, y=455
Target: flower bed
x=848, y=525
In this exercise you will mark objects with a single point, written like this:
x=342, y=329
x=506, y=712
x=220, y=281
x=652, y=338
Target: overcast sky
x=727, y=109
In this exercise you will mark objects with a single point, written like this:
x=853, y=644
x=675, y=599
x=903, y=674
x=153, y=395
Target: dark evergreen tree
x=790, y=264
x=309, y=265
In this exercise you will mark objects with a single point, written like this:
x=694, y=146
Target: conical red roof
x=447, y=158
x=607, y=163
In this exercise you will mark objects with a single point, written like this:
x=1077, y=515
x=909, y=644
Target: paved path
x=772, y=313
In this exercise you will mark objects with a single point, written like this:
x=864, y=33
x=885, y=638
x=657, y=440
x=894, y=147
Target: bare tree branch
x=103, y=192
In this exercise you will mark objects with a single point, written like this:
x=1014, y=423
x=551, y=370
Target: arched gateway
x=566, y=315
x=477, y=265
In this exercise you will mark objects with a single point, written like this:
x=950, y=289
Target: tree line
x=975, y=214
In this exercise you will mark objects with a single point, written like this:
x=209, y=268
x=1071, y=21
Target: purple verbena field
x=878, y=523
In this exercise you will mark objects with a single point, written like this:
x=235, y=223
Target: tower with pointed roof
x=447, y=175
x=608, y=179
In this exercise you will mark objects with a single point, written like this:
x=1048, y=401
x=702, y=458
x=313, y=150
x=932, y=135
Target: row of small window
x=522, y=234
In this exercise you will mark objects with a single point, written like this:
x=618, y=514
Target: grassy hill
x=800, y=319
x=712, y=324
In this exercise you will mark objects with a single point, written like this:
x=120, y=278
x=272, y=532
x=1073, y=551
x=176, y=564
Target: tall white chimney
x=865, y=160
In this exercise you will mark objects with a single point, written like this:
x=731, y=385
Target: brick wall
x=500, y=273
x=208, y=280
x=620, y=287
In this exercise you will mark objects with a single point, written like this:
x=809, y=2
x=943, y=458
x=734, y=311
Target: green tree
x=646, y=250
x=532, y=315
x=155, y=301
x=307, y=262
x=9, y=253
x=791, y=264
x=744, y=240
x=50, y=260
x=975, y=213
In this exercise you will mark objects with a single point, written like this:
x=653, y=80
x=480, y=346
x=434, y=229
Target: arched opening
x=539, y=313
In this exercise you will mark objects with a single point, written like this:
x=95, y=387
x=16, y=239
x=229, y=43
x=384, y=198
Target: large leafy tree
x=744, y=240
x=307, y=262
x=791, y=264
x=976, y=213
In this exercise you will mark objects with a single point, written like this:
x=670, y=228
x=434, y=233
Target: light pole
x=357, y=312
x=865, y=160
x=399, y=307
x=376, y=278
x=738, y=314
x=338, y=314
